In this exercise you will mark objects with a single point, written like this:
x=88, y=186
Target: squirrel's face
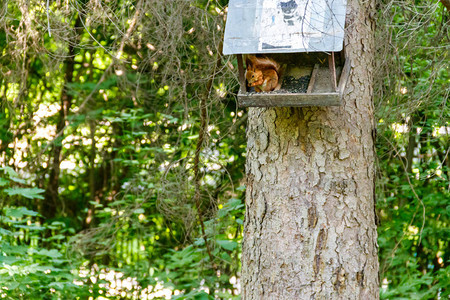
x=253, y=75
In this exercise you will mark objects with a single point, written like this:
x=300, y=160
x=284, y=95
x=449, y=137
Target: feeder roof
x=284, y=26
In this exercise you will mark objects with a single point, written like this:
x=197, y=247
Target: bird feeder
x=304, y=36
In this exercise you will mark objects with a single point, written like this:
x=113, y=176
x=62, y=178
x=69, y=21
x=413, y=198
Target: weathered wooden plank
x=323, y=82
x=288, y=99
x=344, y=77
x=313, y=79
x=332, y=66
x=241, y=71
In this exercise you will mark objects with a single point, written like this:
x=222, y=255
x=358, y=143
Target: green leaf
x=12, y=285
x=5, y=232
x=202, y=296
x=19, y=212
x=10, y=171
x=3, y=182
x=57, y=285
x=58, y=223
x=18, y=180
x=30, y=193
x=50, y=253
x=139, y=211
x=57, y=237
x=199, y=242
x=9, y=260
x=227, y=245
x=14, y=250
x=29, y=227
x=225, y=256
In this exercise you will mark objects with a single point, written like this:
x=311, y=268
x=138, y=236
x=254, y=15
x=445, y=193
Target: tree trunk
x=310, y=228
x=52, y=202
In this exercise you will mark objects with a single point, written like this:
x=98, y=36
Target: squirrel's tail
x=261, y=63
x=280, y=73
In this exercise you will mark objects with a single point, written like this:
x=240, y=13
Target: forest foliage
x=122, y=150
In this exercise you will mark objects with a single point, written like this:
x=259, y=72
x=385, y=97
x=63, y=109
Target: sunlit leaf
x=139, y=211
x=227, y=245
x=50, y=253
x=19, y=212
x=30, y=193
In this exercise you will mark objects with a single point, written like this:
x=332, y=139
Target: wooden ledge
x=288, y=99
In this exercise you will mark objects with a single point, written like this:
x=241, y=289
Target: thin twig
x=48, y=19
x=201, y=139
x=415, y=213
x=101, y=80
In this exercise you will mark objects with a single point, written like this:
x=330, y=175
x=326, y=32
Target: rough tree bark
x=310, y=229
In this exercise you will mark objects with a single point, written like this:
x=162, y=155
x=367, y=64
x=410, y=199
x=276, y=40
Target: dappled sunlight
x=123, y=154
x=116, y=284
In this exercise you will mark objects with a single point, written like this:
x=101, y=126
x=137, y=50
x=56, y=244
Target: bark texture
x=310, y=228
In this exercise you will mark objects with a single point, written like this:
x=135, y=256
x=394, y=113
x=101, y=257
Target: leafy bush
x=32, y=262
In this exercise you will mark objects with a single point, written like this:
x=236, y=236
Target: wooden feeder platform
x=306, y=37
x=324, y=78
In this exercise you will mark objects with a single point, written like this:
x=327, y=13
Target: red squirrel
x=263, y=73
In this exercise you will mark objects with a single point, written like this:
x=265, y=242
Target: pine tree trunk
x=310, y=229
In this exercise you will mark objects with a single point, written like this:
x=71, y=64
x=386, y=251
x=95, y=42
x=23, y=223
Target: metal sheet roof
x=284, y=26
